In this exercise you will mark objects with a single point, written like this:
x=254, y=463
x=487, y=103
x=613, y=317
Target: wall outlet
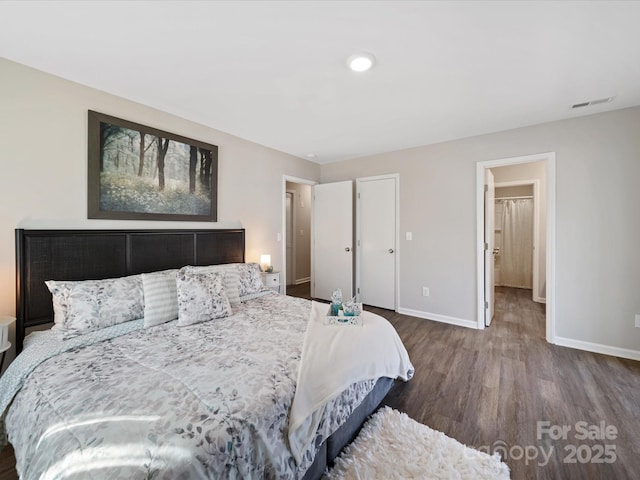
x=638, y=320
x=425, y=292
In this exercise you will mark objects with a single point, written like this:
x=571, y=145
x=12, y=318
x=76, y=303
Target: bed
x=205, y=400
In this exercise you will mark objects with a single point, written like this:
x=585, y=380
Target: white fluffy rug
x=393, y=446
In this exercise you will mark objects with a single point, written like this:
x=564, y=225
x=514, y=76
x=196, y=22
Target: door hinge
x=358, y=289
x=358, y=195
x=486, y=188
x=486, y=304
x=358, y=242
x=486, y=246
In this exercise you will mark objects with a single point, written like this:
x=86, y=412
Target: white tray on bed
x=343, y=319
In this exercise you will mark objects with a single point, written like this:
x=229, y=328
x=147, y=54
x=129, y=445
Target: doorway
x=519, y=237
x=546, y=282
x=514, y=241
x=289, y=245
x=296, y=231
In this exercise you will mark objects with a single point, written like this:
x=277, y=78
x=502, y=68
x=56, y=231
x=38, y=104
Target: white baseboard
x=598, y=348
x=439, y=318
x=303, y=280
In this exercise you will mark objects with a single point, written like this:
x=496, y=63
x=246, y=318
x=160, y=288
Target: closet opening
x=519, y=243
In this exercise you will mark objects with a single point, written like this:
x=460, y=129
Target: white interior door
x=291, y=278
x=489, y=231
x=332, y=233
x=376, y=235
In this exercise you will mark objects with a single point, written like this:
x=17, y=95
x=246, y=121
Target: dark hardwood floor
x=489, y=389
x=8, y=464
x=303, y=290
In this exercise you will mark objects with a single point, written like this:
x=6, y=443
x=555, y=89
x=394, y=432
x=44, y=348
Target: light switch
x=301, y=233
x=279, y=237
x=409, y=236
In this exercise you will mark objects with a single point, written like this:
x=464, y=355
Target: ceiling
x=274, y=72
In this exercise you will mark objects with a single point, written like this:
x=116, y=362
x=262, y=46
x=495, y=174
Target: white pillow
x=160, y=297
x=201, y=297
x=231, y=278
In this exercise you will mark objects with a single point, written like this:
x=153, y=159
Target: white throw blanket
x=336, y=356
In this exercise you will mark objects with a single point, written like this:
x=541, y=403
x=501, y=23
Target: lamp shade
x=265, y=262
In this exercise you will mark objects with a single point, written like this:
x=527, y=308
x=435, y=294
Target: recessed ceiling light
x=311, y=156
x=361, y=62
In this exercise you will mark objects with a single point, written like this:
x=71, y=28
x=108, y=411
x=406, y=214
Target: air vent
x=602, y=100
x=580, y=105
x=592, y=102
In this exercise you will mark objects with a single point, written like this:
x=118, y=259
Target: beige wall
x=597, y=226
x=43, y=132
x=43, y=167
x=302, y=231
x=530, y=171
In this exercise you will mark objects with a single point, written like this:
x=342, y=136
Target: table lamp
x=265, y=263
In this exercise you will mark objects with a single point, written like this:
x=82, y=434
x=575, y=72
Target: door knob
x=391, y=250
x=347, y=249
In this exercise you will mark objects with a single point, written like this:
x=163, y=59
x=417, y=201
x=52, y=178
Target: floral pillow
x=201, y=297
x=231, y=278
x=88, y=305
x=250, y=279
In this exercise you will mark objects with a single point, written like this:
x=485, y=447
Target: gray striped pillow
x=232, y=284
x=160, y=297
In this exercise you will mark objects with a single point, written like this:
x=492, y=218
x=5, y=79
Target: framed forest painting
x=142, y=173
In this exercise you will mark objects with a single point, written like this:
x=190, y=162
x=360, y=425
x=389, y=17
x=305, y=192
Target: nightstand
x=4, y=349
x=4, y=336
x=271, y=280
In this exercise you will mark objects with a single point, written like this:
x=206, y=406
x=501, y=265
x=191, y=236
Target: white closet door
x=332, y=249
x=377, y=234
x=291, y=276
x=489, y=231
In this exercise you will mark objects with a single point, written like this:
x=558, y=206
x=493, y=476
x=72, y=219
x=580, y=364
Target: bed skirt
x=331, y=447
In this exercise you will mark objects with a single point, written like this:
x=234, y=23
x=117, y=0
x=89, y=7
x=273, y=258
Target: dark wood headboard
x=43, y=255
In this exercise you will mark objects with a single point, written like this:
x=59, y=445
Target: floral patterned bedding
x=209, y=400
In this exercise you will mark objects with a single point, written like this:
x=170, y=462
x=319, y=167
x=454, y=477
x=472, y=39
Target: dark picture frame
x=143, y=173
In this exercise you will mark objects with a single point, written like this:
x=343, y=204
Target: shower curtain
x=517, y=244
